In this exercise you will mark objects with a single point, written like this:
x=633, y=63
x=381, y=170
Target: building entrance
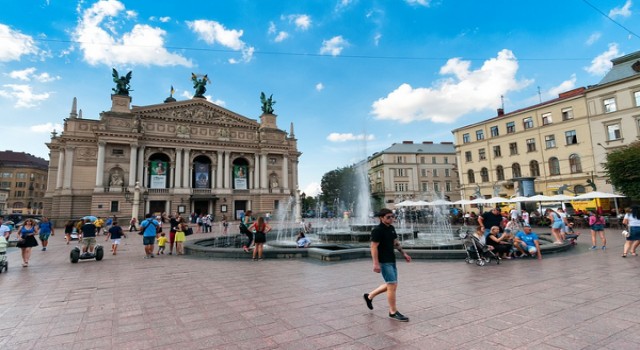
x=239, y=208
x=201, y=207
x=157, y=207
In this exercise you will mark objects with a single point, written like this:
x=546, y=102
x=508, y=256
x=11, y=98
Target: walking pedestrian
x=115, y=233
x=632, y=220
x=45, y=231
x=27, y=240
x=383, y=241
x=596, y=223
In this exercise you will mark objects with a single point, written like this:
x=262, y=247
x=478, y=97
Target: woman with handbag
x=27, y=240
x=632, y=221
x=260, y=230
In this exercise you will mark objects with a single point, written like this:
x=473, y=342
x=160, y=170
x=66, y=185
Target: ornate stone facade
x=187, y=156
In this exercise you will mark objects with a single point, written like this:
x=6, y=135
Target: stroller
x=4, y=264
x=476, y=250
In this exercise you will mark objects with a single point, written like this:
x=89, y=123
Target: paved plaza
x=579, y=299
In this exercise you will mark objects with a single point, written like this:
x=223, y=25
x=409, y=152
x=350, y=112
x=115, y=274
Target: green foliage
x=339, y=184
x=623, y=168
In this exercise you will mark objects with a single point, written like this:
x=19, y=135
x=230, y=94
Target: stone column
x=68, y=167
x=177, y=178
x=60, y=174
x=264, y=181
x=100, y=165
x=186, y=169
x=219, y=171
x=227, y=170
x=141, y=166
x=256, y=171
x=133, y=156
x=285, y=172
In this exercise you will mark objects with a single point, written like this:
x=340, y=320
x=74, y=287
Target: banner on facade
x=158, y=174
x=240, y=177
x=202, y=175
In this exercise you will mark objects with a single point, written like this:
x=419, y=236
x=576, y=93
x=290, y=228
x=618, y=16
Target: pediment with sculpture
x=199, y=111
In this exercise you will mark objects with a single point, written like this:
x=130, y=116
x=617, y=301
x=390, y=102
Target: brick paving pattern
x=580, y=299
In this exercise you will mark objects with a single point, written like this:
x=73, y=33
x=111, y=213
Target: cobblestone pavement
x=580, y=299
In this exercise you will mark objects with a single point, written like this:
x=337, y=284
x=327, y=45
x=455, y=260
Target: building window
x=575, y=164
x=436, y=187
x=467, y=156
x=21, y=175
x=494, y=131
x=117, y=152
x=500, y=173
x=422, y=160
x=571, y=137
x=527, y=123
x=610, y=105
x=19, y=194
x=425, y=187
x=534, y=168
x=401, y=186
x=531, y=145
x=613, y=132
x=379, y=174
x=423, y=172
x=479, y=135
x=497, y=152
x=482, y=155
x=433, y=160
x=484, y=175
x=399, y=160
x=435, y=172
x=400, y=172
x=511, y=127
x=115, y=206
x=513, y=148
x=466, y=138
x=637, y=98
x=567, y=113
x=550, y=141
x=546, y=119
x=7, y=175
x=5, y=184
x=446, y=160
x=471, y=176
x=447, y=186
x=515, y=170
x=21, y=184
x=554, y=166
x=447, y=173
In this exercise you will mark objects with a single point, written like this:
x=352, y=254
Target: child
x=115, y=233
x=225, y=225
x=161, y=242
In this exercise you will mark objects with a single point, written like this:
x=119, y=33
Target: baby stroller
x=476, y=251
x=4, y=264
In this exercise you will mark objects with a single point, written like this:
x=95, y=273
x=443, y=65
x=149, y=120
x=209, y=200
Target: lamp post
x=303, y=197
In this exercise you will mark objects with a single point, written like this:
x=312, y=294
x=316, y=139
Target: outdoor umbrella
x=90, y=217
x=518, y=199
x=596, y=194
x=462, y=202
x=562, y=197
x=406, y=203
x=495, y=200
x=440, y=202
x=421, y=203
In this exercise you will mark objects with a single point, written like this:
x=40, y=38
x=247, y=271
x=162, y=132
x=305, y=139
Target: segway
x=76, y=255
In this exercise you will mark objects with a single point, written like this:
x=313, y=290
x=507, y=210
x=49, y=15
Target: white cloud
x=98, y=40
x=14, y=44
x=376, y=39
x=602, y=63
x=312, y=189
x=624, y=11
x=46, y=128
x=319, y=86
x=302, y=22
x=131, y=14
x=565, y=86
x=424, y=3
x=164, y=19
x=337, y=137
x=272, y=28
x=28, y=74
x=593, y=38
x=189, y=95
x=22, y=95
x=281, y=37
x=213, y=32
x=334, y=45
x=452, y=97
x=342, y=4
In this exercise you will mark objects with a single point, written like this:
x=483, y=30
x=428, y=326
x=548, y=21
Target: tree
x=339, y=184
x=623, y=168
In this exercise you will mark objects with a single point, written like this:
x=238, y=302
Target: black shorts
x=260, y=237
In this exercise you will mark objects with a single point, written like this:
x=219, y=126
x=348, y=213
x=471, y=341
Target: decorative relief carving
x=183, y=131
x=223, y=133
x=87, y=153
x=161, y=128
x=119, y=123
x=84, y=126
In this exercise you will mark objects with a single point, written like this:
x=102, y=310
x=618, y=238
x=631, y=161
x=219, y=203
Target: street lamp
x=303, y=196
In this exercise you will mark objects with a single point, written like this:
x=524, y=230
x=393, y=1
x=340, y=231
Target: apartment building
x=23, y=177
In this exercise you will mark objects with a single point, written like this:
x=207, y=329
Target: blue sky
x=353, y=76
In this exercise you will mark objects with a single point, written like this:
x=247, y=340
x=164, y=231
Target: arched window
x=575, y=164
x=500, y=173
x=515, y=169
x=484, y=175
x=534, y=168
x=554, y=166
x=472, y=177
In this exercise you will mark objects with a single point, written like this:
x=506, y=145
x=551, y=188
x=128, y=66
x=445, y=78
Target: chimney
x=427, y=142
x=446, y=143
x=500, y=112
x=407, y=142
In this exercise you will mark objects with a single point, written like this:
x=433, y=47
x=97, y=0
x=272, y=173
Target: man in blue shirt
x=149, y=226
x=527, y=242
x=46, y=230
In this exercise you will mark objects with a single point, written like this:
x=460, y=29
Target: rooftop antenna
x=539, y=95
x=502, y=101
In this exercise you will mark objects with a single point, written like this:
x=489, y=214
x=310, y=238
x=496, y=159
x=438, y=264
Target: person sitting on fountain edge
x=527, y=242
x=383, y=241
x=302, y=241
x=489, y=219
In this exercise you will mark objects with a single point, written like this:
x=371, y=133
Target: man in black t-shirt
x=383, y=241
x=489, y=219
x=88, y=231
